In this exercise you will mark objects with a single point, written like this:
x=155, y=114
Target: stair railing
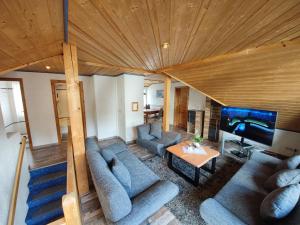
x=13, y=201
x=70, y=201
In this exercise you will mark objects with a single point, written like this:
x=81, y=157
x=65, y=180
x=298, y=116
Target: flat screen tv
x=253, y=124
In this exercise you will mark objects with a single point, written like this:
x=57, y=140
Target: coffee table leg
x=170, y=160
x=197, y=176
x=213, y=165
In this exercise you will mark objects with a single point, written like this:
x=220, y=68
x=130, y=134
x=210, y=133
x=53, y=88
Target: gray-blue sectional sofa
x=158, y=142
x=126, y=204
x=239, y=201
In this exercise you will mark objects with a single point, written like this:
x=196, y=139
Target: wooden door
x=181, y=107
x=60, y=106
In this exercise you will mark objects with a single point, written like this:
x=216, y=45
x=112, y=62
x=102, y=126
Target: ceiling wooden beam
x=189, y=85
x=26, y=64
x=125, y=69
x=66, y=21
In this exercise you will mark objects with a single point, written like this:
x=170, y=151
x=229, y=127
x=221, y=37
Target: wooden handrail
x=70, y=201
x=13, y=201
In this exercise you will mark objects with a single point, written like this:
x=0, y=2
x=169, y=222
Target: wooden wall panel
x=263, y=78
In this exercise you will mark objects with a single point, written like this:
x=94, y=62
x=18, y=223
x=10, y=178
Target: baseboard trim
x=118, y=137
x=40, y=147
x=109, y=138
x=130, y=142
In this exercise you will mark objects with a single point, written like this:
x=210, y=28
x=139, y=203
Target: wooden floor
x=46, y=156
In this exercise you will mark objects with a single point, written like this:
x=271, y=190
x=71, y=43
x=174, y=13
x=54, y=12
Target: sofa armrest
x=265, y=159
x=172, y=135
x=215, y=214
x=150, y=201
x=151, y=145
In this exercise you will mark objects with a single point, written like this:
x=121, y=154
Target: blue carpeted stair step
x=36, y=184
x=44, y=214
x=46, y=195
x=48, y=169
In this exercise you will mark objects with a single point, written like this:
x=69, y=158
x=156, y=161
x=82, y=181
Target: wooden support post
x=75, y=111
x=167, y=89
x=71, y=209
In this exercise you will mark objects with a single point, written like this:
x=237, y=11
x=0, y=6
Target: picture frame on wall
x=135, y=106
x=159, y=93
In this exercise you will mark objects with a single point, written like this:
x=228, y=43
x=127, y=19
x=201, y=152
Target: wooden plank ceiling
x=114, y=37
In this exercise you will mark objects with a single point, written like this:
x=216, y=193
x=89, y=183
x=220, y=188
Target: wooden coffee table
x=196, y=160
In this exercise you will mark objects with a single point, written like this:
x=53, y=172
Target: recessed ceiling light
x=165, y=45
x=48, y=67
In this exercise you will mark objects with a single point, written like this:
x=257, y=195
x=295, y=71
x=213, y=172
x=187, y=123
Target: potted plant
x=197, y=139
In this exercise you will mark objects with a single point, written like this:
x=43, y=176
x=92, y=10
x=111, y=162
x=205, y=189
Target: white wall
x=106, y=106
x=38, y=96
x=121, y=107
x=9, y=154
x=114, y=96
x=133, y=92
x=196, y=99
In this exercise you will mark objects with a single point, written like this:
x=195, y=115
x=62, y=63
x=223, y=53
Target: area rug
x=185, y=206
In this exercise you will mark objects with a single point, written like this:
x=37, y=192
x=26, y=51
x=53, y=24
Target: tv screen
x=253, y=124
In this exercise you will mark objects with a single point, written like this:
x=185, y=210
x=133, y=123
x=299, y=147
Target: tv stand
x=241, y=143
x=243, y=148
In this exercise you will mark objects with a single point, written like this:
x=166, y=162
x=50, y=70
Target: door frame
x=176, y=102
x=20, y=80
x=53, y=90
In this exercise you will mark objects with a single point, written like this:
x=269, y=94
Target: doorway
x=13, y=106
x=181, y=107
x=61, y=110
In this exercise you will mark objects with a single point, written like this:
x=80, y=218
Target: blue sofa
x=148, y=193
x=155, y=145
x=238, y=202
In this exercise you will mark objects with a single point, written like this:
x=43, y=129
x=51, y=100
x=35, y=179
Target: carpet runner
x=46, y=186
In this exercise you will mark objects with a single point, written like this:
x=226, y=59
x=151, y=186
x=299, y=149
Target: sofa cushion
x=141, y=176
x=252, y=175
x=116, y=148
x=152, y=145
x=156, y=130
x=121, y=173
x=241, y=201
x=143, y=132
x=282, y=178
x=290, y=163
x=216, y=214
x=169, y=138
x=265, y=159
x=279, y=203
x=108, y=155
x=149, y=202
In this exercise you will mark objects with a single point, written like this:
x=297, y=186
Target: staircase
x=46, y=186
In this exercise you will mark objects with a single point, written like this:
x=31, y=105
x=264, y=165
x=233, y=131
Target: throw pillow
x=290, y=163
x=120, y=171
x=279, y=203
x=143, y=132
x=155, y=130
x=107, y=155
x=282, y=178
